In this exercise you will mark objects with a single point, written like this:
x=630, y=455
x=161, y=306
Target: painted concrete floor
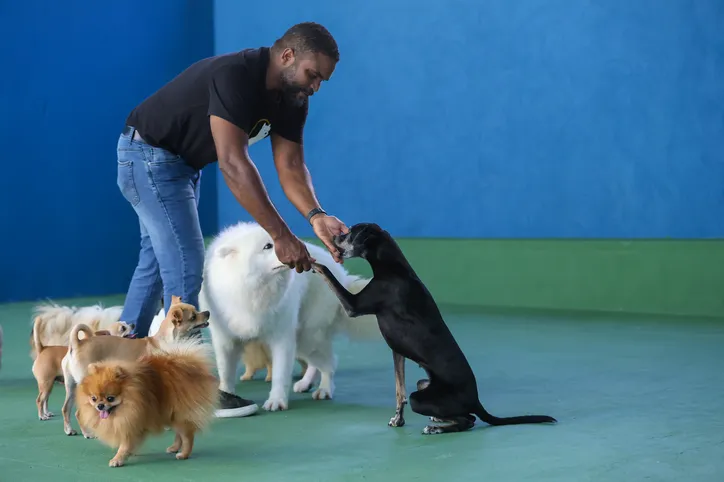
x=636, y=399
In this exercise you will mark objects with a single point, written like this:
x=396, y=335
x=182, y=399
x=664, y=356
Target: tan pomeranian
x=256, y=356
x=47, y=367
x=121, y=402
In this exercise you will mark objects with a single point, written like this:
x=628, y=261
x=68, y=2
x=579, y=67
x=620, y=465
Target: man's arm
x=243, y=178
x=293, y=173
x=297, y=184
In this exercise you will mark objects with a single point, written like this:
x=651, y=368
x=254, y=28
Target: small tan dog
x=48, y=359
x=123, y=401
x=256, y=356
x=181, y=321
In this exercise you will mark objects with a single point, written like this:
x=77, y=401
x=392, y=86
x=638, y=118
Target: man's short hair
x=308, y=37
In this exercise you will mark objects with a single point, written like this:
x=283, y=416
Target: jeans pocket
x=127, y=183
x=170, y=171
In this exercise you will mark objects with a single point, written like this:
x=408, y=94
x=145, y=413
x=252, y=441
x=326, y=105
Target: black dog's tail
x=493, y=420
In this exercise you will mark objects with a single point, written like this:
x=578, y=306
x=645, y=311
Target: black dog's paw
x=432, y=430
x=436, y=420
x=396, y=421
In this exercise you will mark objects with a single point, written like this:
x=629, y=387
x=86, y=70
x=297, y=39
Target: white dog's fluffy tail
x=362, y=327
x=54, y=322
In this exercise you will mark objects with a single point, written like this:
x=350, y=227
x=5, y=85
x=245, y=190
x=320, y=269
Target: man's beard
x=292, y=92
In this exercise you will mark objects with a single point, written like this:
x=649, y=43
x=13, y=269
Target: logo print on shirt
x=260, y=131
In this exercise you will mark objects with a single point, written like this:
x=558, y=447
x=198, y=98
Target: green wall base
x=639, y=277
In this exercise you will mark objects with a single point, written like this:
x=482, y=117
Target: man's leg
x=145, y=289
x=161, y=188
x=144, y=292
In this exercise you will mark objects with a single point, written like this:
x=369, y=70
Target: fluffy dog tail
x=493, y=420
x=56, y=323
x=77, y=329
x=362, y=327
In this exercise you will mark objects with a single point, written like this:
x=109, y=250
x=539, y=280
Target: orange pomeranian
x=121, y=402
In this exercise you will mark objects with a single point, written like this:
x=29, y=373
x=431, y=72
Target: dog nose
x=101, y=406
x=206, y=313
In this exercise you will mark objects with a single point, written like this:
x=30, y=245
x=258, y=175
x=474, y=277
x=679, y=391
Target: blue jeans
x=164, y=192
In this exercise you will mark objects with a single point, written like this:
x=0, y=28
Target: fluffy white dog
x=58, y=320
x=252, y=296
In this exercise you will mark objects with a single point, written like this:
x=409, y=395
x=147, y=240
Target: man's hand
x=326, y=227
x=293, y=252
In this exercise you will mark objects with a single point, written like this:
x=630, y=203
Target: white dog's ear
x=226, y=251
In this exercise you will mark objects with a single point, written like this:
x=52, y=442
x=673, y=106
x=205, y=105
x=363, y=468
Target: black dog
x=413, y=328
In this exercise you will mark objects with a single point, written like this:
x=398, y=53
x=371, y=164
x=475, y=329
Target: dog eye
x=110, y=399
x=268, y=246
x=94, y=399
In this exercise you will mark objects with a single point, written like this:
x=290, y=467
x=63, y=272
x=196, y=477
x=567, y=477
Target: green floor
x=637, y=399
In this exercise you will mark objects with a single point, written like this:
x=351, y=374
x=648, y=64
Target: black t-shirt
x=231, y=86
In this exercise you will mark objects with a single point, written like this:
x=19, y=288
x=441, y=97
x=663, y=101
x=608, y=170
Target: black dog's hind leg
x=456, y=424
x=421, y=385
x=439, y=404
x=400, y=392
x=354, y=305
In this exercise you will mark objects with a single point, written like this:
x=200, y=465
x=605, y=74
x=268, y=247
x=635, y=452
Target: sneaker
x=231, y=405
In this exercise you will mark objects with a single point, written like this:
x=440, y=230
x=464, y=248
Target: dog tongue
x=104, y=414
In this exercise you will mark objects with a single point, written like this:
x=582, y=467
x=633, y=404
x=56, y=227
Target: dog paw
x=89, y=436
x=116, y=462
x=396, y=421
x=181, y=456
x=275, y=403
x=323, y=393
x=301, y=386
x=437, y=420
x=46, y=416
x=173, y=449
x=70, y=431
x=431, y=430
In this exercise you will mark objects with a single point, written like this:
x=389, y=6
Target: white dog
x=252, y=296
x=58, y=320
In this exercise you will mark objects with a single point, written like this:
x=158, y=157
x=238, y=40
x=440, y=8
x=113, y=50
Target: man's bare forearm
x=297, y=184
x=243, y=179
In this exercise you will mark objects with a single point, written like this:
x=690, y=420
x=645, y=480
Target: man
x=212, y=112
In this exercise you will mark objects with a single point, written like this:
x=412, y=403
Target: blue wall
x=505, y=118
x=71, y=72
x=474, y=119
